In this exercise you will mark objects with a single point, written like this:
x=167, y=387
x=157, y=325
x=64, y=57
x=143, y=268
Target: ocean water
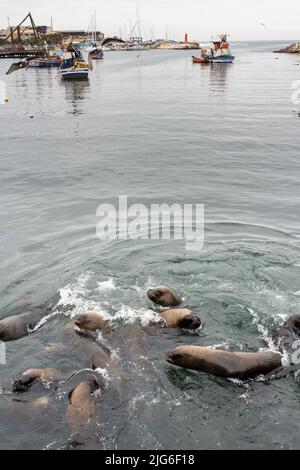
x=155, y=127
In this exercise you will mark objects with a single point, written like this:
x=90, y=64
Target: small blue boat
x=46, y=63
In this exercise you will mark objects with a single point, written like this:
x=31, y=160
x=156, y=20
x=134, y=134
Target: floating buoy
x=31, y=116
x=5, y=99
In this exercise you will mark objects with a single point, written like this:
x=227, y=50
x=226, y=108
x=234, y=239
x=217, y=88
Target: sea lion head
x=91, y=321
x=293, y=323
x=24, y=381
x=177, y=356
x=163, y=295
x=94, y=382
x=190, y=322
x=181, y=318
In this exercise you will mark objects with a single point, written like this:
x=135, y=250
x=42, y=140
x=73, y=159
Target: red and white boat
x=217, y=52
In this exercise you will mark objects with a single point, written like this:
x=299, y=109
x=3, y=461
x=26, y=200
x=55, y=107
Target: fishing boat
x=75, y=67
x=78, y=71
x=217, y=52
x=50, y=60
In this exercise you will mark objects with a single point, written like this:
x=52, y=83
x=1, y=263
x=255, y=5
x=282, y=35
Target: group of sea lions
x=82, y=332
x=225, y=364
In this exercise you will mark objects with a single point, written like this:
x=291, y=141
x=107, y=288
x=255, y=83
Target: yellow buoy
x=6, y=100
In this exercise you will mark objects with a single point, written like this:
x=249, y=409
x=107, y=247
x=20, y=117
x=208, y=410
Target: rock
x=292, y=49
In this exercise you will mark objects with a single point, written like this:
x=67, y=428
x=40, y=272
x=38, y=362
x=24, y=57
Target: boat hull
x=44, y=63
x=199, y=60
x=222, y=60
x=69, y=74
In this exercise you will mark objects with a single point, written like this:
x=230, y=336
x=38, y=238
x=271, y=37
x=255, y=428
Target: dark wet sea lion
x=223, y=363
x=291, y=326
x=91, y=321
x=97, y=356
x=163, y=295
x=81, y=403
x=288, y=334
x=24, y=382
x=181, y=318
x=17, y=326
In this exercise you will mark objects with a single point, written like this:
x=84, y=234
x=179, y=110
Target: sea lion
x=164, y=297
x=46, y=376
x=291, y=328
x=98, y=356
x=81, y=407
x=91, y=321
x=17, y=326
x=181, y=318
x=223, y=363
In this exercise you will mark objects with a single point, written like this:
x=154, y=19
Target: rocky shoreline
x=292, y=49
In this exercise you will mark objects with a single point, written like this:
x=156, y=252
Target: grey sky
x=200, y=18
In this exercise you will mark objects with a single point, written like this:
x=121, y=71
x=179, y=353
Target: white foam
x=282, y=316
x=42, y=322
x=76, y=295
x=223, y=345
x=82, y=299
x=130, y=315
x=106, y=285
x=104, y=374
x=262, y=330
x=246, y=396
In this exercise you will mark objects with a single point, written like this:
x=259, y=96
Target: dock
x=20, y=54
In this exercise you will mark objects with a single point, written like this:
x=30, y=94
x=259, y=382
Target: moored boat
x=75, y=73
x=74, y=67
x=199, y=60
x=218, y=52
x=46, y=62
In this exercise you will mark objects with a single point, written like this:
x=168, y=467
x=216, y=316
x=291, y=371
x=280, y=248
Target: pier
x=20, y=54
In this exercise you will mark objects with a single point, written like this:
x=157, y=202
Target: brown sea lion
x=164, y=296
x=24, y=382
x=181, y=318
x=81, y=404
x=223, y=363
x=17, y=326
x=91, y=321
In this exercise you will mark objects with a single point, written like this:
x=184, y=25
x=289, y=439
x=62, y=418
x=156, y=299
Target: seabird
x=23, y=64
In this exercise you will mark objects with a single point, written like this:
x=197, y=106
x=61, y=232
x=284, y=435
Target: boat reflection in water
x=218, y=78
x=76, y=93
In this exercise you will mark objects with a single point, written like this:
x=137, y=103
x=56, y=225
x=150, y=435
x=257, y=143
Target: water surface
x=154, y=127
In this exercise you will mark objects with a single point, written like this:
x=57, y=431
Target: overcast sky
x=200, y=18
